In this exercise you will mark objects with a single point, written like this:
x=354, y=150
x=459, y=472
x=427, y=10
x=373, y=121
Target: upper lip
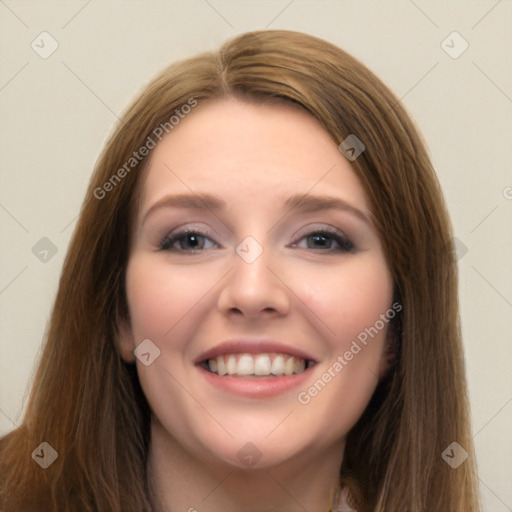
x=254, y=346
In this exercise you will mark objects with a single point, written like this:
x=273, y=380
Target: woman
x=258, y=310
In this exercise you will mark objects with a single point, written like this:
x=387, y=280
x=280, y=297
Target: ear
x=125, y=341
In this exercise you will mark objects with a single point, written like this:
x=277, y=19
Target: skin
x=313, y=296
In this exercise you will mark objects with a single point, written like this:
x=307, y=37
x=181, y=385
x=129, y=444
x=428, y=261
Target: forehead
x=250, y=152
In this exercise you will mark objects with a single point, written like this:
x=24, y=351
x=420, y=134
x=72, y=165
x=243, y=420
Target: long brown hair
x=87, y=403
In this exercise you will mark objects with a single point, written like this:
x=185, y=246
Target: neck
x=179, y=481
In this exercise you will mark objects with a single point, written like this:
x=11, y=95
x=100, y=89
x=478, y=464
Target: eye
x=327, y=240
x=195, y=240
x=186, y=240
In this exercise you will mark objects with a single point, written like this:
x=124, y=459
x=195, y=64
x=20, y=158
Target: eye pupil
x=190, y=241
x=320, y=238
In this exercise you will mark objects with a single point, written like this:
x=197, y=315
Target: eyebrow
x=301, y=203
x=188, y=201
x=308, y=203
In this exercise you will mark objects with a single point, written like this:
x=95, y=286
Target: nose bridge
x=250, y=250
x=251, y=263
x=252, y=286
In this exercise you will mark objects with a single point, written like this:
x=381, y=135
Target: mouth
x=256, y=366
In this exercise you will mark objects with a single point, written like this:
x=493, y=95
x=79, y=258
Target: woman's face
x=262, y=331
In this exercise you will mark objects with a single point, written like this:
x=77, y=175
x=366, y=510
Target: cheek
x=159, y=297
x=350, y=303
x=350, y=297
x=162, y=308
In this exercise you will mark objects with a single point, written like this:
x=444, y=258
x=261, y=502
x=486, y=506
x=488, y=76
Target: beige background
x=57, y=112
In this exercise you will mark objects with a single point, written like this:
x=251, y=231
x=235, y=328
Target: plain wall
x=57, y=112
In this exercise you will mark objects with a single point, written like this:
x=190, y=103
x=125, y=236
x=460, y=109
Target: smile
x=256, y=365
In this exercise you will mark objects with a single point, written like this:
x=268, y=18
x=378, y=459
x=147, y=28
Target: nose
x=253, y=289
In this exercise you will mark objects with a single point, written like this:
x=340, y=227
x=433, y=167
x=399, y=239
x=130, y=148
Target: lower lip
x=259, y=387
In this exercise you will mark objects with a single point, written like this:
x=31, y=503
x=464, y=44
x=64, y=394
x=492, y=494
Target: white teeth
x=221, y=366
x=278, y=365
x=245, y=365
x=289, y=366
x=260, y=364
x=231, y=365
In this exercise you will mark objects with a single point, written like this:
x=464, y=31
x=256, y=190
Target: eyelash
x=345, y=245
